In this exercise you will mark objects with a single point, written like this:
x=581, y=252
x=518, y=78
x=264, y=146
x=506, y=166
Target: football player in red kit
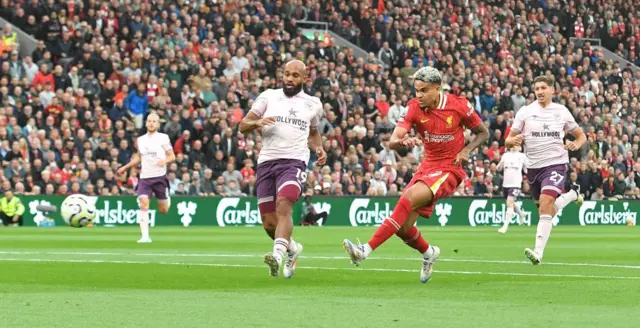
x=439, y=121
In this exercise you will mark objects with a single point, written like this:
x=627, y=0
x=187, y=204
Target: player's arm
x=170, y=156
x=254, y=119
x=315, y=138
x=481, y=136
x=515, y=138
x=576, y=131
x=500, y=166
x=135, y=160
x=400, y=136
x=473, y=122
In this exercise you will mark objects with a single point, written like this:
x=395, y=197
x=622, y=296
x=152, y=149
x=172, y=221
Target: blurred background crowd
x=70, y=111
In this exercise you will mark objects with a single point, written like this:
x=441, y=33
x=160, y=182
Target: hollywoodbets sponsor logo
x=302, y=124
x=546, y=134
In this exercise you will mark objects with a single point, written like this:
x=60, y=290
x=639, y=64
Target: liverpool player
x=288, y=119
x=541, y=127
x=512, y=164
x=439, y=121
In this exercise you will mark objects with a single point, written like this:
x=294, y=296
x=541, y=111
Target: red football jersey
x=441, y=128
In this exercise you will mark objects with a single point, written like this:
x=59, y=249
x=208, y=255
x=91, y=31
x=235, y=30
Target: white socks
x=429, y=253
x=565, y=199
x=280, y=246
x=507, y=217
x=293, y=246
x=144, y=223
x=543, y=233
x=367, y=250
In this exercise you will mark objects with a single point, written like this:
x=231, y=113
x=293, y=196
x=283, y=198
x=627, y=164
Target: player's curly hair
x=428, y=75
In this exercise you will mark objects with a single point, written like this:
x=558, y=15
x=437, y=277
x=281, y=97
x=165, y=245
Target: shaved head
x=295, y=73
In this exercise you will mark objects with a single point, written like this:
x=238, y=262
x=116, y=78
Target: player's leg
x=517, y=210
x=144, y=190
x=510, y=193
x=161, y=190
x=285, y=178
x=549, y=181
x=572, y=195
x=288, y=194
x=266, y=193
x=143, y=219
x=414, y=197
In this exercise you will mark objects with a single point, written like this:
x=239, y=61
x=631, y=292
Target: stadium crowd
x=72, y=109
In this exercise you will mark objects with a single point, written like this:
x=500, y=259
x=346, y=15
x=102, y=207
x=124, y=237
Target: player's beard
x=292, y=91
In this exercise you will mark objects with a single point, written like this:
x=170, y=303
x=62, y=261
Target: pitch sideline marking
x=326, y=268
x=617, y=266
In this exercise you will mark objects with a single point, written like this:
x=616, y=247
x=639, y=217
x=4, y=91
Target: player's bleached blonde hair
x=299, y=62
x=155, y=115
x=428, y=75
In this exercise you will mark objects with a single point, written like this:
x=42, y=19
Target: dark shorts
x=271, y=176
x=547, y=180
x=511, y=192
x=158, y=186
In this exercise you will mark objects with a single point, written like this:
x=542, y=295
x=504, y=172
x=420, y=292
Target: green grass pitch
x=214, y=277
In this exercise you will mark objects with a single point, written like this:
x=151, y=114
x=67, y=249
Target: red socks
x=392, y=224
x=414, y=239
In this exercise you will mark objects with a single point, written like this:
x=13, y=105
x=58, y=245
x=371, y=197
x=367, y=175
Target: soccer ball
x=78, y=211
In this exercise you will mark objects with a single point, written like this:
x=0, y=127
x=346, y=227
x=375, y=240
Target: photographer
x=309, y=214
x=11, y=209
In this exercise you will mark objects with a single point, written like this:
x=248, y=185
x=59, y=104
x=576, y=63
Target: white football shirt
x=544, y=130
x=512, y=163
x=288, y=137
x=152, y=148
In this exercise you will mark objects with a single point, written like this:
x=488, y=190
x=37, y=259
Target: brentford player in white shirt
x=154, y=153
x=288, y=120
x=541, y=127
x=512, y=164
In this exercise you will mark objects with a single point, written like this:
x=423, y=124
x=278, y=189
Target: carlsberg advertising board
x=342, y=211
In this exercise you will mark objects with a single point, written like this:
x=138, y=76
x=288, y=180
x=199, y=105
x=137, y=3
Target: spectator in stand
x=111, y=67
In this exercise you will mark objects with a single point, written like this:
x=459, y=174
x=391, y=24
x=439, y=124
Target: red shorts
x=442, y=181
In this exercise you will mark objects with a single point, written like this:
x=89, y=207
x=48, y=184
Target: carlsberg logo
x=611, y=213
x=114, y=212
x=231, y=212
x=479, y=214
x=360, y=213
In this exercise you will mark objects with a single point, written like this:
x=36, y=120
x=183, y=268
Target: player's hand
x=517, y=140
x=410, y=142
x=161, y=162
x=571, y=146
x=121, y=170
x=267, y=121
x=462, y=158
x=15, y=218
x=322, y=156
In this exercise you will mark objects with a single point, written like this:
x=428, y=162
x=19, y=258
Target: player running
x=154, y=153
x=440, y=120
x=541, y=127
x=288, y=119
x=512, y=163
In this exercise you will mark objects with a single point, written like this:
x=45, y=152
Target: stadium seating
x=70, y=111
